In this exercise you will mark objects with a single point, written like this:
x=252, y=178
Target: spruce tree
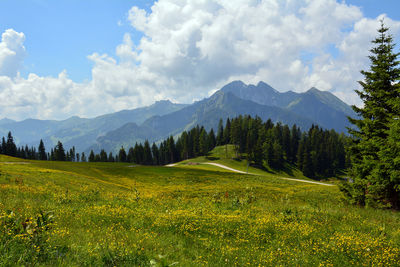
x=91, y=156
x=110, y=157
x=122, y=155
x=11, y=148
x=156, y=154
x=211, y=140
x=220, y=133
x=374, y=184
x=147, y=157
x=59, y=152
x=103, y=156
x=42, y=151
x=203, y=142
x=3, y=146
x=83, y=157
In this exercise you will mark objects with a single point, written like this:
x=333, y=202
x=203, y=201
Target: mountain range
x=164, y=118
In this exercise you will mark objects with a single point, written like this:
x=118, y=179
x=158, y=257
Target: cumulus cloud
x=191, y=48
x=201, y=45
x=12, y=52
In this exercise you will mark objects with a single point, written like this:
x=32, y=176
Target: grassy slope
x=225, y=155
x=114, y=214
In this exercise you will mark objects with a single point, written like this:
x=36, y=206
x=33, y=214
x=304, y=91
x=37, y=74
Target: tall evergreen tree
x=203, y=142
x=373, y=182
x=220, y=133
x=103, y=156
x=42, y=151
x=3, y=145
x=211, y=140
x=227, y=132
x=122, y=155
x=83, y=157
x=59, y=152
x=11, y=148
x=156, y=154
x=91, y=156
x=147, y=157
x=110, y=157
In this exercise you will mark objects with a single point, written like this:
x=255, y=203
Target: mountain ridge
x=81, y=132
x=164, y=118
x=207, y=113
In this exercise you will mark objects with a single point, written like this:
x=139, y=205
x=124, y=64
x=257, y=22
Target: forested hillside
x=316, y=152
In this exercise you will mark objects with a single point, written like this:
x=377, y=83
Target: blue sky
x=61, y=34
x=193, y=48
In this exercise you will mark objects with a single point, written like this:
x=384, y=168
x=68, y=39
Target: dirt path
x=306, y=181
x=225, y=167
x=234, y=170
x=171, y=165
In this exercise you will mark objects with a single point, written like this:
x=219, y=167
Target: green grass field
x=114, y=214
x=225, y=155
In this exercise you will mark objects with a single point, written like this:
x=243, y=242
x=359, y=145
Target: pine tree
x=83, y=157
x=91, y=156
x=103, y=156
x=294, y=143
x=11, y=148
x=3, y=146
x=42, y=151
x=227, y=132
x=220, y=133
x=277, y=155
x=211, y=140
x=110, y=157
x=203, y=142
x=286, y=141
x=373, y=183
x=156, y=154
x=122, y=155
x=59, y=152
x=147, y=157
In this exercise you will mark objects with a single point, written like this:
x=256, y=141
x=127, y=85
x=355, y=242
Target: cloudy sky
x=70, y=57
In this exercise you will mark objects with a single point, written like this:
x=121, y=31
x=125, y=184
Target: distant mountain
x=207, y=113
x=5, y=121
x=322, y=107
x=81, y=132
x=163, y=118
x=262, y=94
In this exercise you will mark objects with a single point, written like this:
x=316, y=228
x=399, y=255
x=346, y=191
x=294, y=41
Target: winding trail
x=171, y=165
x=242, y=172
x=226, y=167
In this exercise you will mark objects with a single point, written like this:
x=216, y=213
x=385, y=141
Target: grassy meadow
x=115, y=214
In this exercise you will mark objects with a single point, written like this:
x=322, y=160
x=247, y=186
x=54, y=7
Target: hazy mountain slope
x=27, y=131
x=6, y=121
x=81, y=132
x=206, y=113
x=84, y=135
x=328, y=115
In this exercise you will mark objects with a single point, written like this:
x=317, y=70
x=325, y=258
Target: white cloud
x=191, y=48
x=12, y=52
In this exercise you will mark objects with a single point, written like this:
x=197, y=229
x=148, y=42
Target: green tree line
x=317, y=153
